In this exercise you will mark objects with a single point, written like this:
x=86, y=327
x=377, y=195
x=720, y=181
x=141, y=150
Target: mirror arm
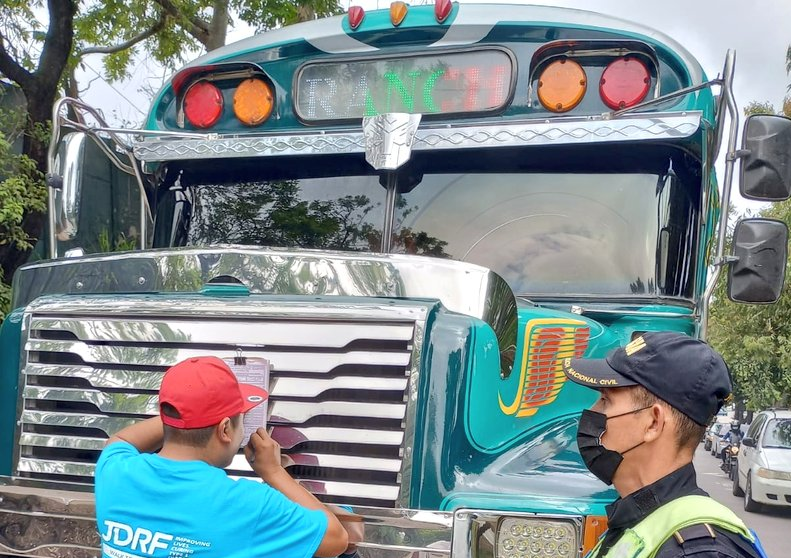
x=730, y=160
x=738, y=154
x=725, y=260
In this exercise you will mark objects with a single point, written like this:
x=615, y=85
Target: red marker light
x=356, y=16
x=203, y=104
x=442, y=9
x=624, y=83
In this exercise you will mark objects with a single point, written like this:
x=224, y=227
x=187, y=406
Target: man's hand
x=263, y=454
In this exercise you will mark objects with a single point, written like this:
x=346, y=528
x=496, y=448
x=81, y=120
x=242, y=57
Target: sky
x=758, y=31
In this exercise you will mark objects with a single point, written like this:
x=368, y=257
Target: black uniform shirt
x=627, y=512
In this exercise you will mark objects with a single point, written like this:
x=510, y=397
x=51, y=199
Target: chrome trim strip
x=291, y=436
x=273, y=333
x=278, y=387
x=281, y=411
x=557, y=131
x=410, y=420
x=583, y=311
x=108, y=425
x=287, y=436
x=318, y=363
x=55, y=467
x=55, y=441
x=240, y=463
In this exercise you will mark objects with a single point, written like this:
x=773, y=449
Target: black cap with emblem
x=684, y=372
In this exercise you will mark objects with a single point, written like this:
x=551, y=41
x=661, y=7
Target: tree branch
x=197, y=27
x=153, y=30
x=11, y=69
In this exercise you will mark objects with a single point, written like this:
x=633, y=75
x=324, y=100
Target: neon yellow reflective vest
x=646, y=538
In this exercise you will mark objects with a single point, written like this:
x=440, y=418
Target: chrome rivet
x=79, y=285
x=141, y=280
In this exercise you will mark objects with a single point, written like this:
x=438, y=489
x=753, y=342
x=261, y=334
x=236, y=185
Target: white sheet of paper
x=255, y=371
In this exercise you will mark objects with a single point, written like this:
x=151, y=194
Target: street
x=771, y=525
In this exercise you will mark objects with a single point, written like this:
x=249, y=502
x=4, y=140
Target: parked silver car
x=764, y=463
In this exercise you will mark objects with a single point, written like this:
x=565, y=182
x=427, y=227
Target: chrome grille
x=338, y=402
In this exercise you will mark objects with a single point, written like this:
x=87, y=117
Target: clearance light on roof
x=203, y=104
x=253, y=101
x=356, y=16
x=624, y=83
x=442, y=9
x=398, y=12
x=562, y=85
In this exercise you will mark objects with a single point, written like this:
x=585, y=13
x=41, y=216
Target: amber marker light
x=398, y=12
x=253, y=101
x=595, y=526
x=562, y=85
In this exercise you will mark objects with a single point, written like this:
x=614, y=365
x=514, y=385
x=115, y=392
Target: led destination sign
x=450, y=83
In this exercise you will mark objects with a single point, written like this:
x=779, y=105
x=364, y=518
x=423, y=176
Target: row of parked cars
x=762, y=472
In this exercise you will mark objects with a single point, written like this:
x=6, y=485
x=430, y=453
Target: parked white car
x=764, y=462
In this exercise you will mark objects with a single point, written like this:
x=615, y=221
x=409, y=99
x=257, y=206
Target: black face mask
x=599, y=460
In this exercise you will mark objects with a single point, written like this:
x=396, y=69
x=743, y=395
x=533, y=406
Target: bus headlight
x=535, y=536
x=506, y=534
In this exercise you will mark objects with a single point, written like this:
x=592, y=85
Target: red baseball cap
x=204, y=391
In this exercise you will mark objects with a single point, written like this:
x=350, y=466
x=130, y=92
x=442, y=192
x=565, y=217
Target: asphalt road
x=772, y=525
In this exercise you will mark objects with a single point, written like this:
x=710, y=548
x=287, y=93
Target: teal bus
x=412, y=215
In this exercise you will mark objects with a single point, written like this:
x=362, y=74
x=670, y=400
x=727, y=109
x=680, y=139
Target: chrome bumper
x=38, y=521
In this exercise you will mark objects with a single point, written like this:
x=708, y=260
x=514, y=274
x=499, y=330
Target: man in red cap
x=179, y=503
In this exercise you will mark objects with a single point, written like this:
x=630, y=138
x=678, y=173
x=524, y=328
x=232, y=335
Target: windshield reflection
x=589, y=232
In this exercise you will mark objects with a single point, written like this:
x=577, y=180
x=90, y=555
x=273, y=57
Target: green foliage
x=21, y=192
x=183, y=27
x=5, y=297
x=758, y=107
x=765, y=107
x=121, y=243
x=271, y=14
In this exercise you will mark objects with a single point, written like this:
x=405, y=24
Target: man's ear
x=225, y=430
x=659, y=416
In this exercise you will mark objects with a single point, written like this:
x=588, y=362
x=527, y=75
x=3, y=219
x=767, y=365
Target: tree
x=38, y=77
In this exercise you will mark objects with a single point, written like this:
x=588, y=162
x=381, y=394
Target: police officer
x=655, y=397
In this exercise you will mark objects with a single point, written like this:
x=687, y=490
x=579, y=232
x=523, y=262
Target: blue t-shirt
x=149, y=506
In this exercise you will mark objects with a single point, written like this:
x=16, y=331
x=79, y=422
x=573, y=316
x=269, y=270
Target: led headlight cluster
x=525, y=537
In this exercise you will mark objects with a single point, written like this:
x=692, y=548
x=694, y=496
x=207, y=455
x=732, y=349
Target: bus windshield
x=629, y=230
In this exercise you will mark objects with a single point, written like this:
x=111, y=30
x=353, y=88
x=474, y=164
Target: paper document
x=254, y=371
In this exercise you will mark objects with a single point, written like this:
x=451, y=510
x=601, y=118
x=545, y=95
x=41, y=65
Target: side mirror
x=94, y=206
x=760, y=249
x=748, y=442
x=69, y=165
x=766, y=165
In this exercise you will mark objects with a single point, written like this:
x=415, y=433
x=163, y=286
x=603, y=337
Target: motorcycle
x=729, y=460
